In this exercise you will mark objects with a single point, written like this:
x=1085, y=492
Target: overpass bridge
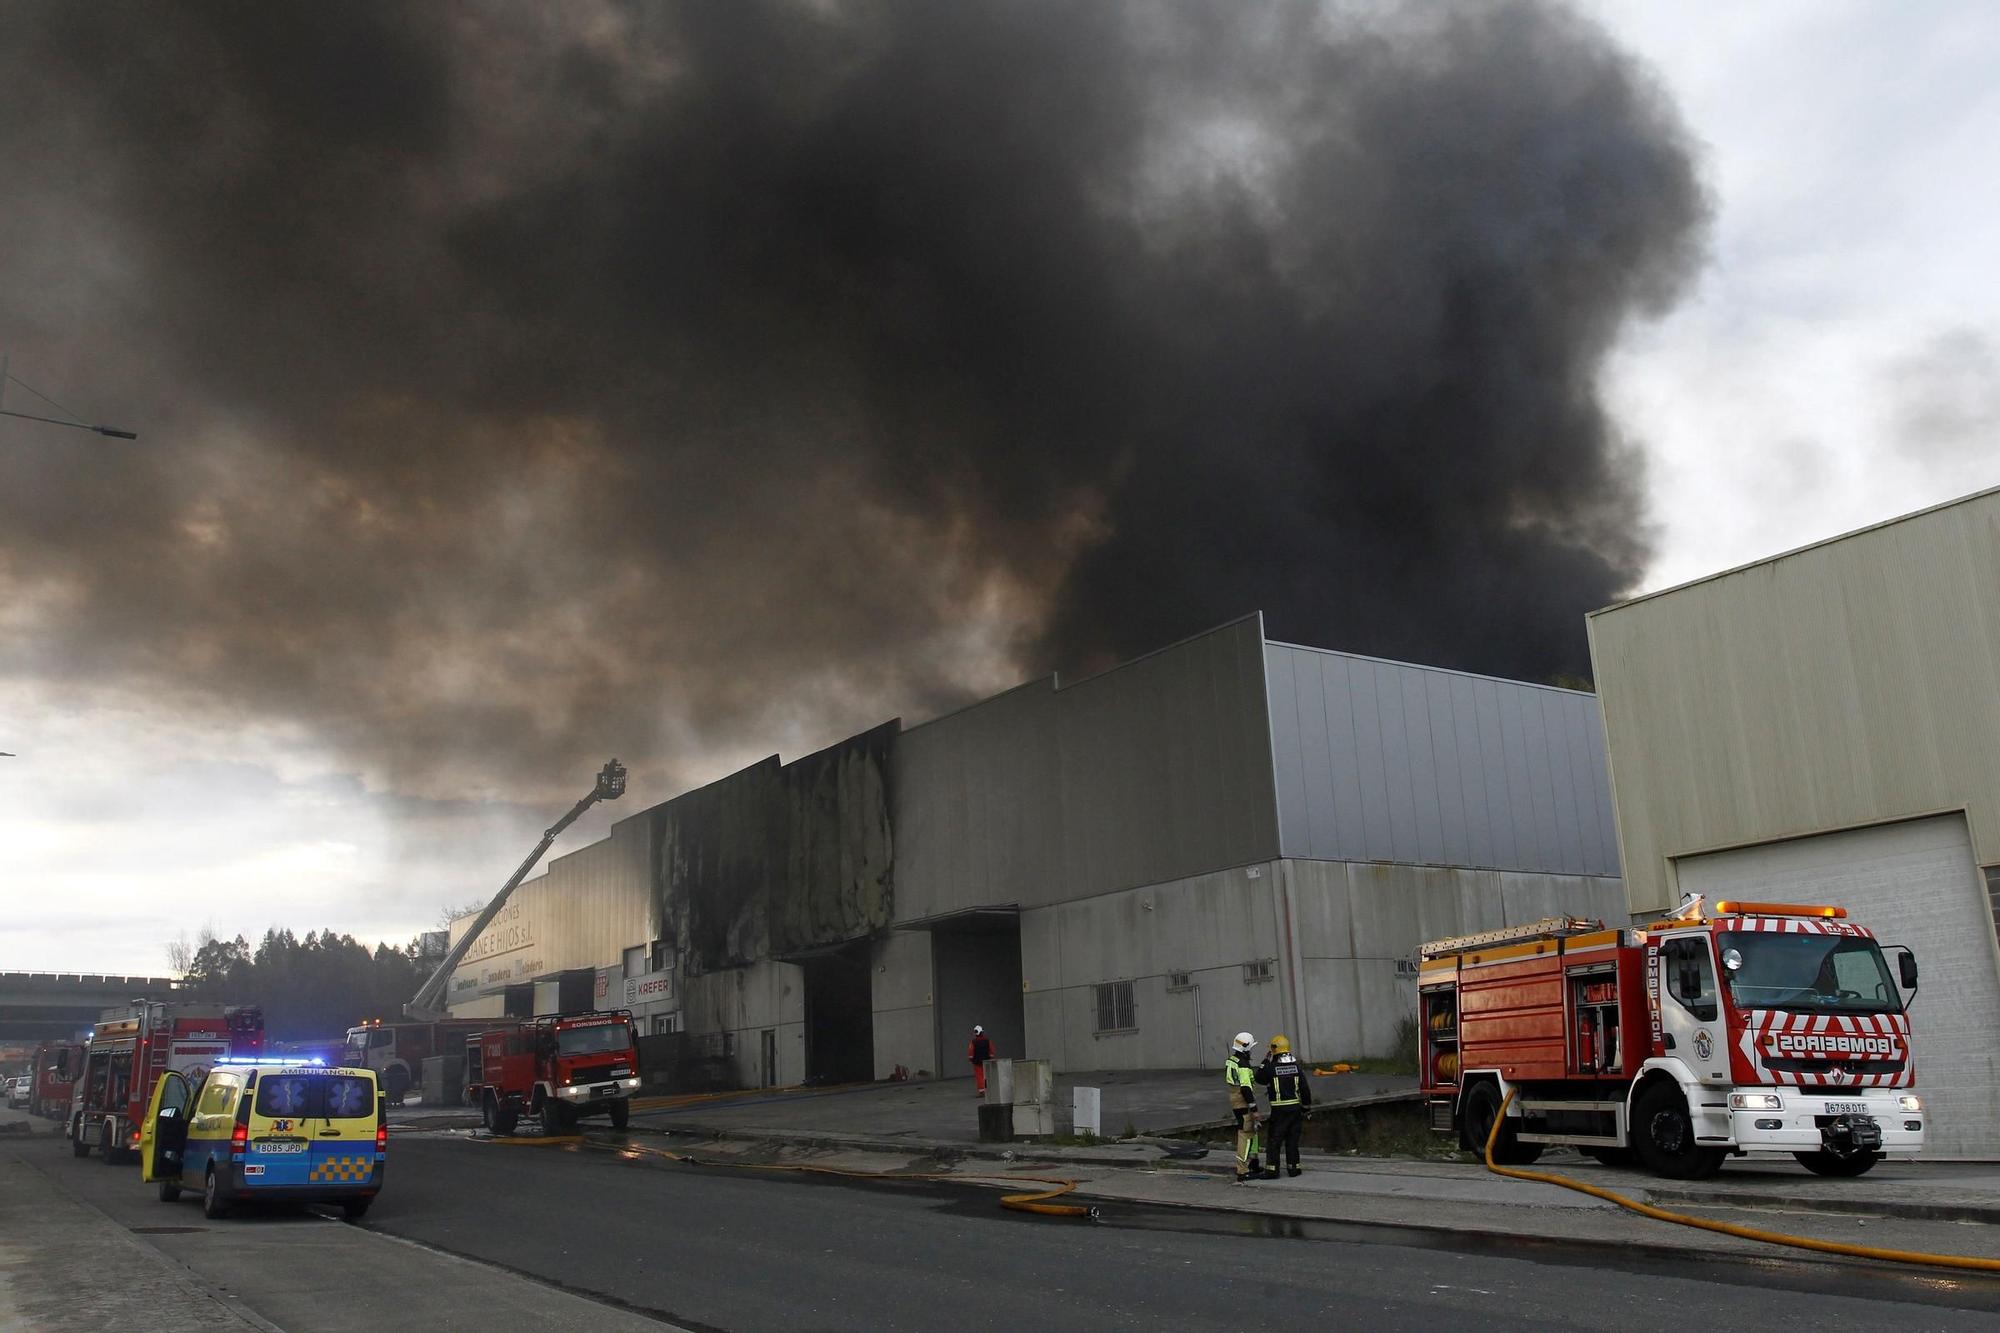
x=43, y=1006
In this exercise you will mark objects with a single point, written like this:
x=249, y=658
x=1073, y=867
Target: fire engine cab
x=559, y=1068
x=130, y=1048
x=1748, y=1027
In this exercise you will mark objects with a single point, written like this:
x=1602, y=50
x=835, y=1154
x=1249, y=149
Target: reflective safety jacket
x=1242, y=1080
x=1285, y=1080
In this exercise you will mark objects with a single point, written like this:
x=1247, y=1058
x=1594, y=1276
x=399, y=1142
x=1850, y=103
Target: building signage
x=649, y=987
x=506, y=932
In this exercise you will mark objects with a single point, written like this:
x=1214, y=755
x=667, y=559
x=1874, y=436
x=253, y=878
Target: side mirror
x=1906, y=969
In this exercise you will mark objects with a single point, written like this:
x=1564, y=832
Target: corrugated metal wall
x=1154, y=770
x=1381, y=761
x=1847, y=683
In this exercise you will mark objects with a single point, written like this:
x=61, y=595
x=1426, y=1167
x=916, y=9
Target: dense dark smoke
x=526, y=382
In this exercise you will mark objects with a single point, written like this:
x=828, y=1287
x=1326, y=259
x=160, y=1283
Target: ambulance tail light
x=1733, y=908
x=239, y=1140
x=381, y=1138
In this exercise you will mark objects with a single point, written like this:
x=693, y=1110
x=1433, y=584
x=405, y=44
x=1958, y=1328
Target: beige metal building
x=1824, y=726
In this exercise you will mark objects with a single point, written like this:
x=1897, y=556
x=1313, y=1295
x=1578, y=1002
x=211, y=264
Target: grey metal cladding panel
x=1480, y=843
x=1420, y=742
x=1563, y=788
x=1512, y=807
x=1289, y=747
x=1315, y=735
x=1378, y=839
x=1166, y=765
x=1344, y=760
x=1453, y=838
x=1399, y=788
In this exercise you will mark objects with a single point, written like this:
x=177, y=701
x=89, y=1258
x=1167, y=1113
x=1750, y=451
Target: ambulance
x=260, y=1128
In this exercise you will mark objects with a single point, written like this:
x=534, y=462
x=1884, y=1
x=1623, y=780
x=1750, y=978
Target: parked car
x=19, y=1089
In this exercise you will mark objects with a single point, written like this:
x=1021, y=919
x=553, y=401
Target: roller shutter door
x=1912, y=883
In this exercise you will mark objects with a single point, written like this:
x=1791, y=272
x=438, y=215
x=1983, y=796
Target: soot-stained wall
x=780, y=860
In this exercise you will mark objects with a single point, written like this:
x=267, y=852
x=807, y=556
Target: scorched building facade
x=1115, y=872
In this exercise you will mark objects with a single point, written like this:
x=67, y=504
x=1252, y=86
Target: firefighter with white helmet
x=1240, y=1076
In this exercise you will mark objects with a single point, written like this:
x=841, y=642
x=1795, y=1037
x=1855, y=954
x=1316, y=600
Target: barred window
x=1114, y=1006
x=1258, y=971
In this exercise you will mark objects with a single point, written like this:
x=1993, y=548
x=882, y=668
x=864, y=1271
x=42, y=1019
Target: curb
x=1901, y=1210
x=986, y=1152
x=1860, y=1207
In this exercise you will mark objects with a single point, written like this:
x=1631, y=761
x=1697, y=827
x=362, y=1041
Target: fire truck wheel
x=212, y=1202
x=1664, y=1136
x=169, y=1193
x=79, y=1146
x=396, y=1082
x=1482, y=1105
x=1826, y=1164
x=621, y=1113
x=107, y=1144
x=1609, y=1156
x=557, y=1117
x=504, y=1119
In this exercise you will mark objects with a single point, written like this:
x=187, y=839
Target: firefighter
x=1240, y=1076
x=979, y=1050
x=1290, y=1092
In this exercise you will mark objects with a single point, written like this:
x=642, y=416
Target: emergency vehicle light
x=271, y=1061
x=1733, y=908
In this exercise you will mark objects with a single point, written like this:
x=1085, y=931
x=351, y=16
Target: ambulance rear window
x=311, y=1096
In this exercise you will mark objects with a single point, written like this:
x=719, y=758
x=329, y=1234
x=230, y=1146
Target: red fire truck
x=1749, y=1027
x=558, y=1069
x=397, y=1051
x=130, y=1048
x=54, y=1071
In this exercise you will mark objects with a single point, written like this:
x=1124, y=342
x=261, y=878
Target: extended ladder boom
x=427, y=1003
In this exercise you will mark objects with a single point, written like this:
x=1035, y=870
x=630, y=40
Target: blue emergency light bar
x=272, y=1061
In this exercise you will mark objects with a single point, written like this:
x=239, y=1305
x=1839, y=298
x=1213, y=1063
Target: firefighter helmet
x=1244, y=1041
x=1280, y=1044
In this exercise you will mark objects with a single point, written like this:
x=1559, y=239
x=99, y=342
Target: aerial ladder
x=428, y=1004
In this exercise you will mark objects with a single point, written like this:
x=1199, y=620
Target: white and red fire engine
x=397, y=1051
x=1745, y=1028
x=54, y=1073
x=558, y=1069
x=128, y=1051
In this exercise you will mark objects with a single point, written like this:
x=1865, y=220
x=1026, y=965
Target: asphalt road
x=735, y=1250
x=717, y=1248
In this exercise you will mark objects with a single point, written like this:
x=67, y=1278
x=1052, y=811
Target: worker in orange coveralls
x=979, y=1050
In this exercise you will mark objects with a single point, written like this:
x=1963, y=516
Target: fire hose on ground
x=1728, y=1228
x=1035, y=1201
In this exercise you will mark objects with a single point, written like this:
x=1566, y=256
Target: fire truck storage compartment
x=1594, y=1006
x=1441, y=1049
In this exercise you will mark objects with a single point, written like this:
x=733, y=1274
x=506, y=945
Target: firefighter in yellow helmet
x=1290, y=1092
x=1240, y=1076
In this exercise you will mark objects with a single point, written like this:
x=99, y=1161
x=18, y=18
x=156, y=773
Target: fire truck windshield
x=591, y=1040
x=1831, y=974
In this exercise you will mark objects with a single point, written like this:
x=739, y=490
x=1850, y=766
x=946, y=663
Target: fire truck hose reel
x=1977, y=1265
x=1026, y=1201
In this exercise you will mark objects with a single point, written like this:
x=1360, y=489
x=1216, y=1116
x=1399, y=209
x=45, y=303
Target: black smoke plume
x=522, y=383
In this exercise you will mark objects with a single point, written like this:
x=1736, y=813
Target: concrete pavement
x=89, y=1247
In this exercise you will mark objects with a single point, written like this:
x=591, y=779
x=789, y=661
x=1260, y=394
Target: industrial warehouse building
x=1114, y=872
x=1824, y=726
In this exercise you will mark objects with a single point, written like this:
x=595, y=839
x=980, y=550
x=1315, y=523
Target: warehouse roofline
x=1421, y=666
x=1989, y=492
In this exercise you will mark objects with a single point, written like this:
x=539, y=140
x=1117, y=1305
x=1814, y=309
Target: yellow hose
x=1728, y=1228
x=1027, y=1201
